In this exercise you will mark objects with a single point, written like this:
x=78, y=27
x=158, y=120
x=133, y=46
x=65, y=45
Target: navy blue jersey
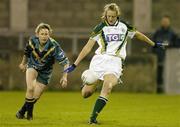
x=46, y=58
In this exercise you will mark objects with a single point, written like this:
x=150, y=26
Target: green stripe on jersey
x=103, y=43
x=97, y=30
x=130, y=27
x=119, y=48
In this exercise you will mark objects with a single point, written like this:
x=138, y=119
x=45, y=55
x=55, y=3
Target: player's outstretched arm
x=144, y=38
x=84, y=52
x=63, y=80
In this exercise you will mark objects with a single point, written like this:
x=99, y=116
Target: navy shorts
x=44, y=75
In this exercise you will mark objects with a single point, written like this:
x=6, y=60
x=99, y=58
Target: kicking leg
x=90, y=81
x=89, y=89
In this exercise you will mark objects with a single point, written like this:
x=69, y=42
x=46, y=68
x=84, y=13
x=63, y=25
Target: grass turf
x=68, y=109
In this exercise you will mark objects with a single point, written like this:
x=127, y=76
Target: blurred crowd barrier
x=139, y=73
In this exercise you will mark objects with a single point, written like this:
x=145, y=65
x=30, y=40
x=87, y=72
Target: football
x=89, y=77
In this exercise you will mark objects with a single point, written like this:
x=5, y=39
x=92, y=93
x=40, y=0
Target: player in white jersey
x=106, y=66
x=112, y=39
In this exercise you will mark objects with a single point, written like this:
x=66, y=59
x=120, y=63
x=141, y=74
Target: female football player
x=106, y=66
x=40, y=54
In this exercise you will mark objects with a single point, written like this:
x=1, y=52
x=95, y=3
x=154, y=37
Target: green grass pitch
x=69, y=109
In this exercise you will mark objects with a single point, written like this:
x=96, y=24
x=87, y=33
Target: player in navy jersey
x=40, y=54
x=106, y=65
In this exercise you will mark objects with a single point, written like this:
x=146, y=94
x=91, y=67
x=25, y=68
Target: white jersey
x=112, y=40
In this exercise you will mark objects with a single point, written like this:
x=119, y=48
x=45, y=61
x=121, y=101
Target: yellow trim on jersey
x=36, y=55
x=52, y=40
x=102, y=43
x=124, y=41
x=117, y=52
x=93, y=34
x=34, y=52
x=50, y=50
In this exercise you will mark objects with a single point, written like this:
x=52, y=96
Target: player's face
x=43, y=36
x=165, y=22
x=111, y=17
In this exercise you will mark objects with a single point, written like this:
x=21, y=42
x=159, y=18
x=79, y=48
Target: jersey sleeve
x=28, y=49
x=95, y=34
x=60, y=56
x=131, y=31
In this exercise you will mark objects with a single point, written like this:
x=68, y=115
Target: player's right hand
x=70, y=68
x=63, y=81
x=22, y=67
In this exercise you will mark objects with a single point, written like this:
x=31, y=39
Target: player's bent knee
x=89, y=77
x=86, y=94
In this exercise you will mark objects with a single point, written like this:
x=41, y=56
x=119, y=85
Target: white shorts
x=106, y=64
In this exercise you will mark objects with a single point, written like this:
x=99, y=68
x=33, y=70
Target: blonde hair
x=112, y=7
x=43, y=26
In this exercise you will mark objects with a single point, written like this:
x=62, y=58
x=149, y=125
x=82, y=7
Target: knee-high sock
x=25, y=105
x=99, y=105
x=23, y=108
x=30, y=106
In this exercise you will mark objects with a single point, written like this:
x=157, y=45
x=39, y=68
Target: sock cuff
x=29, y=100
x=103, y=98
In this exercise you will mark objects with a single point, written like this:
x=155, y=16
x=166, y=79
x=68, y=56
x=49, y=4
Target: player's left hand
x=161, y=45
